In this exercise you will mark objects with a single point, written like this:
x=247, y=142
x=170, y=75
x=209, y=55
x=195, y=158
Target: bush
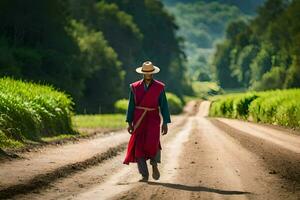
x=241, y=105
x=276, y=107
x=174, y=102
x=121, y=106
x=222, y=107
x=288, y=114
x=30, y=111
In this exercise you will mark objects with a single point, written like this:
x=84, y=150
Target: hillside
x=245, y=6
x=202, y=24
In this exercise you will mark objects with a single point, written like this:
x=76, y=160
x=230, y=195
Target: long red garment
x=145, y=139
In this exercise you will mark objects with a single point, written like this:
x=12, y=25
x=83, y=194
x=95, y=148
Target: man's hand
x=130, y=128
x=164, y=129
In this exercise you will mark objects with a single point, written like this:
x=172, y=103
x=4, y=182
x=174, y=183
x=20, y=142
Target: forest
x=90, y=48
x=263, y=53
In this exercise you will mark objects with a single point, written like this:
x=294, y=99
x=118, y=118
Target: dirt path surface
x=48, y=163
x=214, y=165
x=43, y=167
x=202, y=158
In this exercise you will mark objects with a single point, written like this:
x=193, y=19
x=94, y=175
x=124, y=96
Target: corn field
x=29, y=111
x=280, y=107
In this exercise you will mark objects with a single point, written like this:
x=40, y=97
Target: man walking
x=147, y=99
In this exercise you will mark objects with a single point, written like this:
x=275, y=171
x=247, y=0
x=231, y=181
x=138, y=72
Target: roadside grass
x=204, y=90
x=105, y=121
x=113, y=121
x=60, y=137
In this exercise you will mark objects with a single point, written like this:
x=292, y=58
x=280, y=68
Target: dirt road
x=202, y=158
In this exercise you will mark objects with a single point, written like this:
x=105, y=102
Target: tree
x=118, y=28
x=105, y=79
x=268, y=47
x=36, y=45
x=221, y=64
x=160, y=43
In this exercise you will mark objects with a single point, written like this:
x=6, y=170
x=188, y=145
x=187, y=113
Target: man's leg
x=143, y=168
x=153, y=162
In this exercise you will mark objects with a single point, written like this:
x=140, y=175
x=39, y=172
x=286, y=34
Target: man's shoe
x=155, y=172
x=144, y=179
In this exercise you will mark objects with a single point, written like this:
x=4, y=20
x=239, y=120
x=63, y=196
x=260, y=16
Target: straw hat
x=147, y=68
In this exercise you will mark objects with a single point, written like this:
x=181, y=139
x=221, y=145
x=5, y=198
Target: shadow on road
x=198, y=188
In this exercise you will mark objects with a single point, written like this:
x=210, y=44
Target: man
x=147, y=99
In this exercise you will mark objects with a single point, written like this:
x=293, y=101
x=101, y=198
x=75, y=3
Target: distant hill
x=247, y=6
x=201, y=25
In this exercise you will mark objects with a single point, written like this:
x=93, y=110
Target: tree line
x=90, y=48
x=263, y=53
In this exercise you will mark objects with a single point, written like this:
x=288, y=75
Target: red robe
x=145, y=138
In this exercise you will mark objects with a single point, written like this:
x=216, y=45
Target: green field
x=113, y=121
x=280, y=107
x=29, y=112
x=33, y=113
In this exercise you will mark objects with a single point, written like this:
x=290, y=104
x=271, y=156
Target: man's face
x=148, y=76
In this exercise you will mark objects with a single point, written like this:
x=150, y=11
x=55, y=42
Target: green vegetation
x=248, y=6
x=279, y=107
x=201, y=24
x=90, y=49
x=174, y=102
x=264, y=53
x=30, y=111
x=121, y=106
x=61, y=137
x=111, y=121
x=6, y=141
x=206, y=89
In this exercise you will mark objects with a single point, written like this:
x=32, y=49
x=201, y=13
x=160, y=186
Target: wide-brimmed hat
x=147, y=68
